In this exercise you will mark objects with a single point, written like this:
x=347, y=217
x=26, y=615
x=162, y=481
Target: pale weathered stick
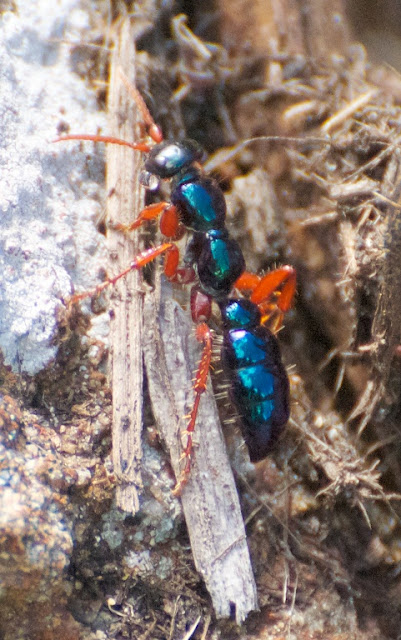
x=124, y=200
x=210, y=499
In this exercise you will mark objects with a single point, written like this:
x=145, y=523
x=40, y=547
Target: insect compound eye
x=149, y=180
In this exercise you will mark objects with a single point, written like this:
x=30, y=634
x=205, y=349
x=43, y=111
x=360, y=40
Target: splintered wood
x=210, y=500
x=124, y=199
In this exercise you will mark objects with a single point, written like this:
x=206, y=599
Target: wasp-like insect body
x=214, y=263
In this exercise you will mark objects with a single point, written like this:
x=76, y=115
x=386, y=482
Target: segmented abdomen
x=259, y=382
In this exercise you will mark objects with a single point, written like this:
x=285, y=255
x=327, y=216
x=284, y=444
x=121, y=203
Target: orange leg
x=273, y=292
x=144, y=258
x=203, y=334
x=169, y=222
x=150, y=212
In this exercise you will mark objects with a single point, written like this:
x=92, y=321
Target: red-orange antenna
x=138, y=146
x=153, y=129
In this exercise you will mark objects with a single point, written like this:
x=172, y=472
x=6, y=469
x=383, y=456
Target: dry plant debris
x=322, y=514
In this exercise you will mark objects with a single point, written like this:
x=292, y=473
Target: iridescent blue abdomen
x=259, y=382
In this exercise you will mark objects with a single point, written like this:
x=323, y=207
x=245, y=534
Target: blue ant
x=259, y=386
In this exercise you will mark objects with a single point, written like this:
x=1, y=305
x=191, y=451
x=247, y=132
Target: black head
x=167, y=159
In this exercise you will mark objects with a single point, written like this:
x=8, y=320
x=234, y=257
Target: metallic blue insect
x=259, y=382
x=215, y=263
